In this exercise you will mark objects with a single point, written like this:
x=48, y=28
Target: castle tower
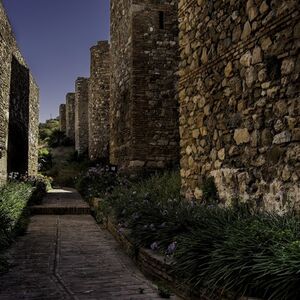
x=143, y=105
x=70, y=116
x=99, y=95
x=81, y=115
x=62, y=117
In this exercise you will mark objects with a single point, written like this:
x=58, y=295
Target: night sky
x=55, y=37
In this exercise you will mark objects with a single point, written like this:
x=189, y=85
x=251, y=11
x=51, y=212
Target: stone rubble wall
x=62, y=118
x=99, y=95
x=144, y=110
x=70, y=116
x=120, y=92
x=34, y=111
x=239, y=100
x=81, y=115
x=8, y=50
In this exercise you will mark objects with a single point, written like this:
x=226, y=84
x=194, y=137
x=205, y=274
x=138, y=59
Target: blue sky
x=55, y=37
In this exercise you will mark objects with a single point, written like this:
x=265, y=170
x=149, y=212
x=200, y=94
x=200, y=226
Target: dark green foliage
x=96, y=182
x=217, y=250
x=46, y=129
x=41, y=185
x=76, y=157
x=163, y=291
x=254, y=255
x=13, y=214
x=151, y=209
x=210, y=193
x=45, y=159
x=58, y=138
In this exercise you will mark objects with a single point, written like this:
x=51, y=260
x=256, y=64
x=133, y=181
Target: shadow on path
x=70, y=257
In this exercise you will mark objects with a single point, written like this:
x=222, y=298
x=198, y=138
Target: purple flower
x=154, y=246
x=152, y=227
x=135, y=216
x=171, y=248
x=163, y=225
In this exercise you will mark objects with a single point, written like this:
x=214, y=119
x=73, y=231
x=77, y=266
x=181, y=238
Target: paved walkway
x=70, y=257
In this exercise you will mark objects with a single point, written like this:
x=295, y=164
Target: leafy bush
x=214, y=249
x=45, y=159
x=96, y=182
x=46, y=129
x=152, y=209
x=77, y=157
x=42, y=184
x=13, y=214
x=255, y=255
x=58, y=138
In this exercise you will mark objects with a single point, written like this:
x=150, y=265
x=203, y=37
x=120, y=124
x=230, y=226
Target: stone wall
x=143, y=110
x=70, y=116
x=99, y=95
x=34, y=110
x=81, y=115
x=240, y=101
x=19, y=107
x=62, y=118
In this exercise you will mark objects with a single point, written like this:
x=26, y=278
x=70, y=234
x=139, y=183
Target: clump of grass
x=256, y=255
x=163, y=291
x=214, y=250
x=96, y=181
x=14, y=198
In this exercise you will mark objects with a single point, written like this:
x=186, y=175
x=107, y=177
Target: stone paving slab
x=71, y=257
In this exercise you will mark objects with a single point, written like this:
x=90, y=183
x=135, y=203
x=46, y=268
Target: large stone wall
x=99, y=95
x=62, y=118
x=144, y=59
x=70, y=116
x=81, y=115
x=19, y=107
x=240, y=101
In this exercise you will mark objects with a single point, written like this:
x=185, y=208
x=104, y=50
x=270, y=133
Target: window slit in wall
x=161, y=20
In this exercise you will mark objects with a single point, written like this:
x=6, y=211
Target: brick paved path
x=70, y=257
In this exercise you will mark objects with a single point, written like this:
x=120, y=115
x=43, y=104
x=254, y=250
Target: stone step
x=62, y=202
x=58, y=210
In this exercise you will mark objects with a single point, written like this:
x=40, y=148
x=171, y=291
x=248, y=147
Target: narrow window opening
x=161, y=20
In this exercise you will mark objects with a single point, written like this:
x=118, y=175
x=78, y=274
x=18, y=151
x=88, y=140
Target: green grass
x=217, y=249
x=14, y=198
x=64, y=171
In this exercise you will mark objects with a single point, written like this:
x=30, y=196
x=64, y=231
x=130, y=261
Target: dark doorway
x=17, y=160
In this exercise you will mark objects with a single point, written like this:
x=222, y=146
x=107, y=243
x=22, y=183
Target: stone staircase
x=61, y=202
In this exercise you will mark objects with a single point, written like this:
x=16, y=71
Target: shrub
x=215, y=250
x=45, y=159
x=96, y=182
x=58, y=138
x=13, y=214
x=46, y=129
x=257, y=255
x=150, y=209
x=42, y=184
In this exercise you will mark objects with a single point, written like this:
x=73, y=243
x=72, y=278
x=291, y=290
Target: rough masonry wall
x=81, y=115
x=33, y=127
x=99, y=95
x=144, y=110
x=62, y=118
x=240, y=101
x=121, y=81
x=25, y=95
x=70, y=116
